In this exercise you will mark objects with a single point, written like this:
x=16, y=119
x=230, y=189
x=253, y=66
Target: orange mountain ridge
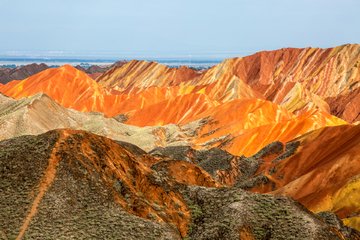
x=170, y=111
x=151, y=94
x=243, y=127
x=297, y=79
x=66, y=85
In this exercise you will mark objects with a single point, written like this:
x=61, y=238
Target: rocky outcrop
x=319, y=169
x=232, y=213
x=346, y=106
x=133, y=149
x=293, y=78
x=203, y=122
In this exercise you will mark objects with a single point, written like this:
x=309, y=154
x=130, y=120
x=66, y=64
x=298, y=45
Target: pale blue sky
x=169, y=27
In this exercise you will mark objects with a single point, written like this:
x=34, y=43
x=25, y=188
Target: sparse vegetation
x=77, y=204
x=214, y=214
x=86, y=201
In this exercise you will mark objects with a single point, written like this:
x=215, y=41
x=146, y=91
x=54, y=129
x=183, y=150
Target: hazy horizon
x=195, y=55
x=52, y=58
x=173, y=29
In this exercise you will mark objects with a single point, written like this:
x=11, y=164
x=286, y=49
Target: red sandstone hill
x=346, y=106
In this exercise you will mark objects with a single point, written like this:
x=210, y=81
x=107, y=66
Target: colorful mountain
x=284, y=75
x=275, y=123
x=297, y=79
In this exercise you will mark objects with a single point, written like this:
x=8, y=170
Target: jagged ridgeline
x=71, y=184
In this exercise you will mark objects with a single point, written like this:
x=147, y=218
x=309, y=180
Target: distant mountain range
x=95, y=71
x=20, y=73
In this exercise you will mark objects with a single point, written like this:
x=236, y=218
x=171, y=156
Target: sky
x=170, y=28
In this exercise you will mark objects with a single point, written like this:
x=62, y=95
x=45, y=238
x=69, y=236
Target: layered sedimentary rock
x=137, y=75
x=93, y=71
x=243, y=127
x=346, y=106
x=326, y=173
x=298, y=79
x=94, y=75
x=220, y=107
x=146, y=98
x=205, y=122
x=319, y=169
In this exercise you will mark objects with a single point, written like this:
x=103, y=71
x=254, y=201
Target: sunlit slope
x=353, y=222
x=230, y=87
x=112, y=105
x=66, y=85
x=174, y=110
x=74, y=89
x=243, y=127
x=149, y=97
x=252, y=141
